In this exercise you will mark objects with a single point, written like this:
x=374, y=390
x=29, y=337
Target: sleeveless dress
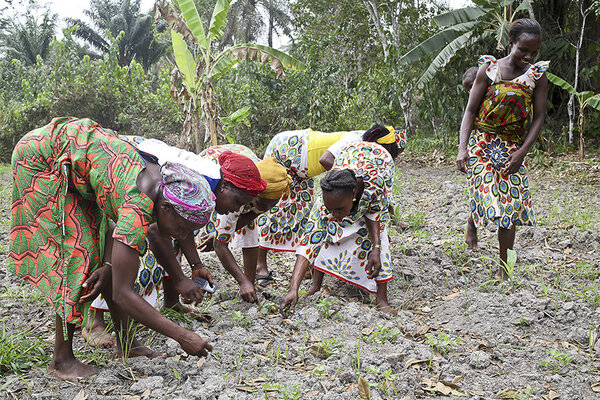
x=500, y=128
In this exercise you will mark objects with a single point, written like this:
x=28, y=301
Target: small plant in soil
x=456, y=250
x=324, y=307
x=268, y=307
x=283, y=392
x=238, y=318
x=381, y=334
x=416, y=221
x=558, y=362
x=21, y=351
x=443, y=343
x=325, y=348
x=387, y=383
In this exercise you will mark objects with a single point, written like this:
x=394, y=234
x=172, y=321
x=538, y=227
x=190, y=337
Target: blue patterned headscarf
x=188, y=192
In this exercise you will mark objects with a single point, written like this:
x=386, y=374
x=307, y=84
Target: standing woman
x=497, y=132
x=346, y=235
x=70, y=178
x=307, y=154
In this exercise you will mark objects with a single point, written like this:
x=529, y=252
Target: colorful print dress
x=281, y=228
x=69, y=178
x=223, y=226
x=342, y=248
x=499, y=130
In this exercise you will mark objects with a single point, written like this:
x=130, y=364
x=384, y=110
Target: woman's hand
x=462, y=160
x=194, y=345
x=93, y=285
x=207, y=245
x=373, y=264
x=288, y=303
x=203, y=273
x=513, y=163
x=248, y=292
x=189, y=290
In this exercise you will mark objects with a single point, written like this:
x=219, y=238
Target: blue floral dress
x=342, y=248
x=500, y=127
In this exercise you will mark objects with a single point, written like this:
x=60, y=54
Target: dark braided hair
x=377, y=132
x=523, y=26
x=470, y=75
x=339, y=179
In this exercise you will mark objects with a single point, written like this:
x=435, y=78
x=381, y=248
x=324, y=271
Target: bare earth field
x=458, y=333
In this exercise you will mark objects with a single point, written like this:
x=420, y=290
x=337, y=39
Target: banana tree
x=199, y=73
x=462, y=28
x=584, y=99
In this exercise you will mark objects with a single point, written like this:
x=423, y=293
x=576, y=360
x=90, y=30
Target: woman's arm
x=475, y=98
x=291, y=298
x=125, y=270
x=162, y=247
x=101, y=275
x=374, y=262
x=540, y=93
x=247, y=290
x=327, y=160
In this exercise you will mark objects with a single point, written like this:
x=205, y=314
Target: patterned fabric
x=277, y=178
x=147, y=284
x=223, y=226
x=188, y=192
x=500, y=127
x=70, y=176
x=241, y=172
x=342, y=248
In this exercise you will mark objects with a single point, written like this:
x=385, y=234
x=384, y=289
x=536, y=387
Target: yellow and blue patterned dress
x=500, y=127
x=342, y=248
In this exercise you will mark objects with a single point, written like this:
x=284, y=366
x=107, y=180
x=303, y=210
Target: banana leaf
x=184, y=60
x=192, y=20
x=219, y=19
x=459, y=16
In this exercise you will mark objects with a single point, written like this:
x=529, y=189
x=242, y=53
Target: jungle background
x=116, y=67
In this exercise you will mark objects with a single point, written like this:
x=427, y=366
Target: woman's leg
x=261, y=262
x=317, y=281
x=381, y=299
x=96, y=332
x=471, y=234
x=506, y=240
x=64, y=364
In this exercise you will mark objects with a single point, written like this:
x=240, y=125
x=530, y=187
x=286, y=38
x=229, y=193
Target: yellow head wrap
x=278, y=180
x=389, y=138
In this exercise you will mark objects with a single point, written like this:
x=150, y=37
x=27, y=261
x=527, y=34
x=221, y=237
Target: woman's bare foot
x=312, y=290
x=72, y=370
x=98, y=336
x=471, y=234
x=385, y=307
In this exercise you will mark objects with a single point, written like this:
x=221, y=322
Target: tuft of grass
x=20, y=351
x=443, y=343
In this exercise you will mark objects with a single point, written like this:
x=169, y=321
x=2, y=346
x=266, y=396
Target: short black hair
x=339, y=179
x=523, y=26
x=377, y=132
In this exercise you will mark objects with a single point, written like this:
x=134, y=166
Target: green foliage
x=558, y=362
x=125, y=99
x=21, y=350
x=443, y=342
x=381, y=335
x=324, y=307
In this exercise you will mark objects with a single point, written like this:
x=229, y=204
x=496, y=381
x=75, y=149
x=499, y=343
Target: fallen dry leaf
x=80, y=396
x=595, y=387
x=552, y=395
x=451, y=296
x=201, y=362
x=364, y=390
x=147, y=393
x=413, y=361
x=368, y=331
x=326, y=292
x=131, y=397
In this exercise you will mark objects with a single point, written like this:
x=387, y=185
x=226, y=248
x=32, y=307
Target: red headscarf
x=241, y=172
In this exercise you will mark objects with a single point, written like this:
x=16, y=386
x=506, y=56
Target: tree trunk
x=374, y=13
x=571, y=104
x=581, y=137
x=195, y=126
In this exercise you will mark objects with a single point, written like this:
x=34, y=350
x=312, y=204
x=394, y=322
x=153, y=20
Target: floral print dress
x=501, y=125
x=342, y=248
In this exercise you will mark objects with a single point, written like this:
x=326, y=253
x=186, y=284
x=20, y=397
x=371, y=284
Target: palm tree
x=29, y=39
x=463, y=27
x=138, y=42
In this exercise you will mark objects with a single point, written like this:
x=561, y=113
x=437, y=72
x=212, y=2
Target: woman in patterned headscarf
x=502, y=120
x=307, y=154
x=71, y=177
x=235, y=182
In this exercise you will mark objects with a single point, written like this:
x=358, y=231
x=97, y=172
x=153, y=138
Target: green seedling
x=443, y=343
x=559, y=361
x=381, y=335
x=21, y=351
x=325, y=348
x=284, y=392
x=324, y=307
